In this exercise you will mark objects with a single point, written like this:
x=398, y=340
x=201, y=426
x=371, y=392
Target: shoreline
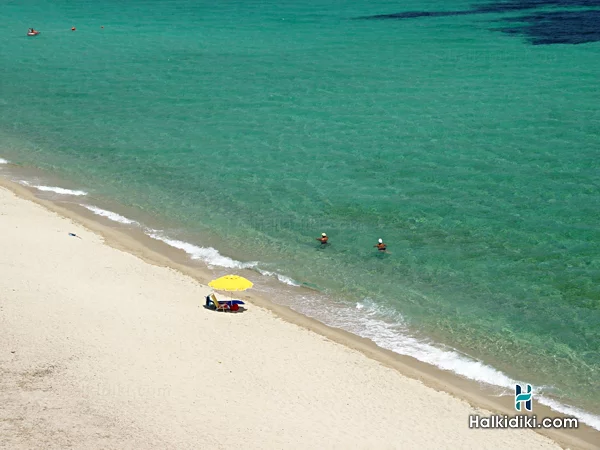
x=200, y=251
x=162, y=255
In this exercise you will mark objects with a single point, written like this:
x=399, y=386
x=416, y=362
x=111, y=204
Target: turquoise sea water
x=252, y=127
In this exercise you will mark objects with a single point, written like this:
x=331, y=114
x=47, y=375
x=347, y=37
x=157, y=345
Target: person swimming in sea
x=381, y=246
x=323, y=239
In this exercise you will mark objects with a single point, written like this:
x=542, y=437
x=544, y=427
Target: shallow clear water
x=253, y=127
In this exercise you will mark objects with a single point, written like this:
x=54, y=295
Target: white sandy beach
x=99, y=349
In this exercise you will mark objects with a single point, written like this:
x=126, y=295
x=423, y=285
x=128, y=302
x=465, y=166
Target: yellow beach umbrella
x=231, y=283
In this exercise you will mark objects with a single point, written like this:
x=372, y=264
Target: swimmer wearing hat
x=381, y=246
x=323, y=239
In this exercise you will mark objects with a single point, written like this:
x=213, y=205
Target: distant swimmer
x=381, y=246
x=323, y=239
x=72, y=28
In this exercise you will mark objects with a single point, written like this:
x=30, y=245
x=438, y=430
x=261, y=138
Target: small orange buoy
x=72, y=28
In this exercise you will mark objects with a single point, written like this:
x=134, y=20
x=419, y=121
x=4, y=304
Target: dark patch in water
x=545, y=27
x=518, y=5
x=568, y=27
x=416, y=15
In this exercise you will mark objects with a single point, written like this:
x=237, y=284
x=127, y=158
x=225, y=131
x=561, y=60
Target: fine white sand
x=99, y=349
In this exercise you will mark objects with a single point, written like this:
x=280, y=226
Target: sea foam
x=3, y=161
x=110, y=215
x=584, y=416
x=281, y=278
x=209, y=255
x=55, y=189
x=395, y=336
